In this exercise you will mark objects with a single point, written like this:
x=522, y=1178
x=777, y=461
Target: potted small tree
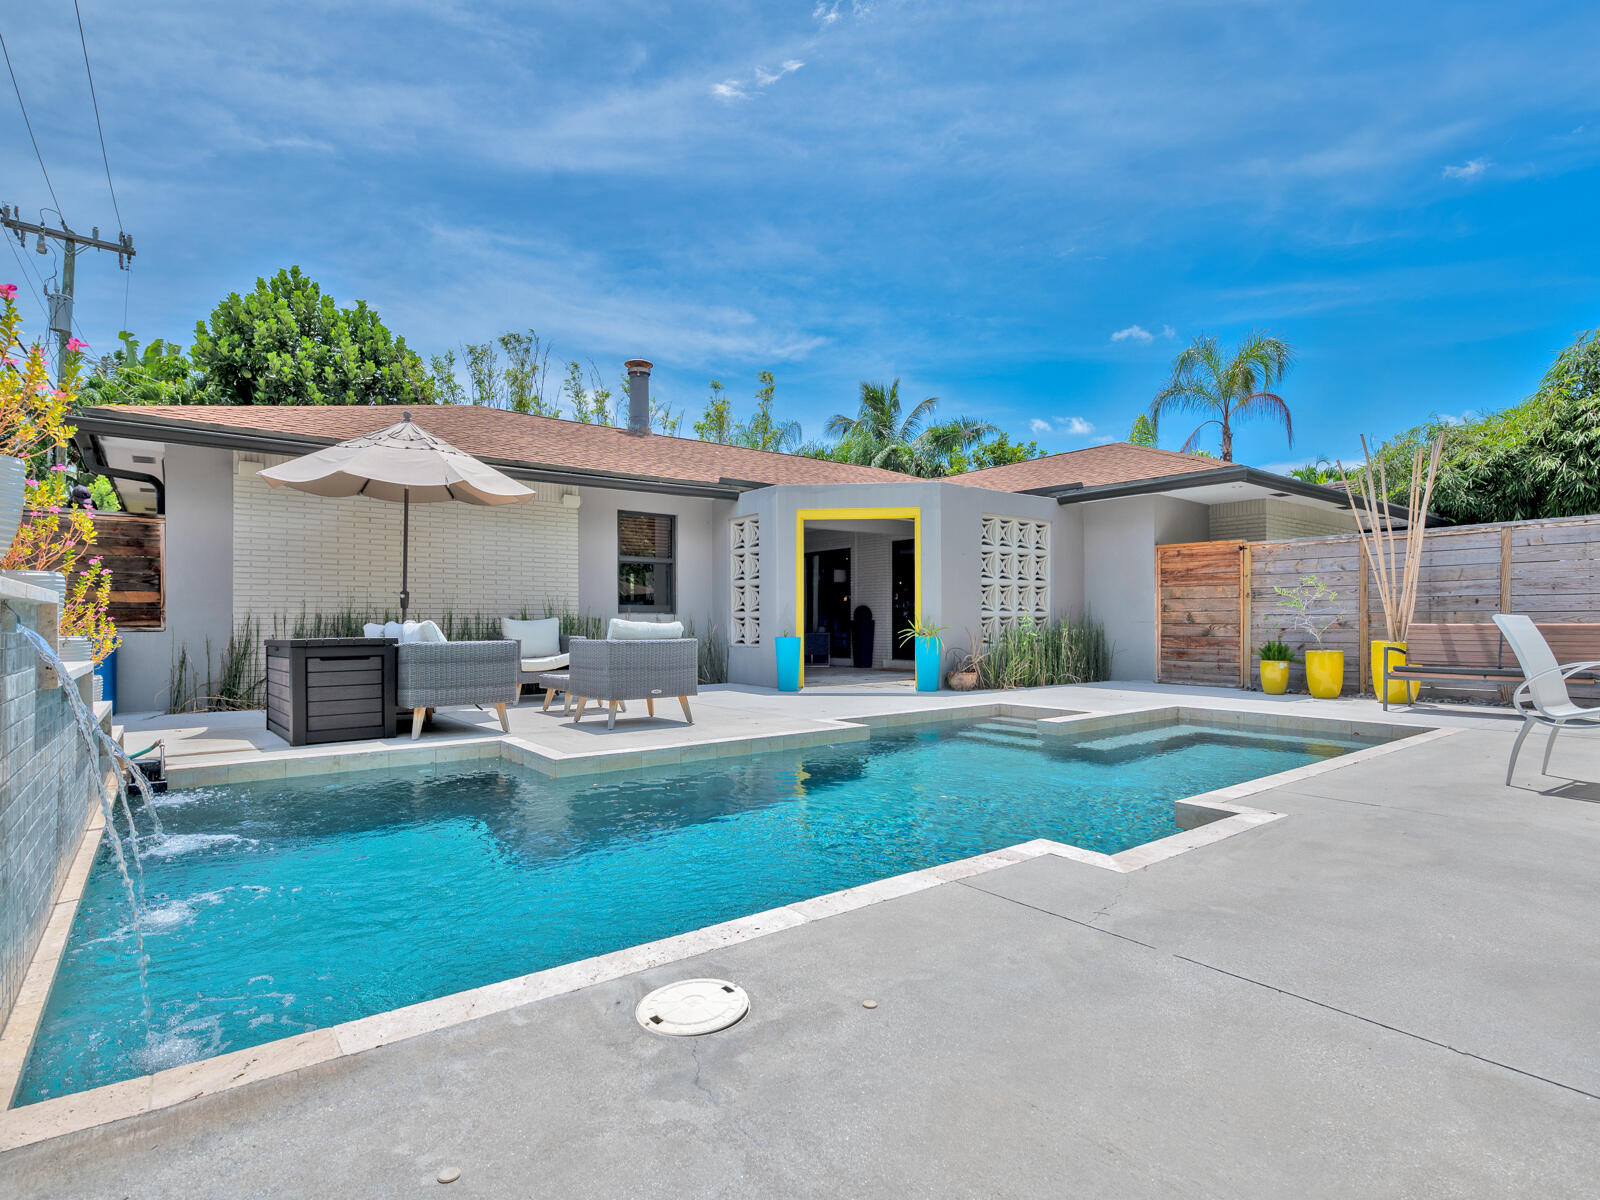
x=787, y=648
x=929, y=640
x=1324, y=668
x=1275, y=659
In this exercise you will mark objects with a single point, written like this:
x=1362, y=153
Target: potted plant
x=929, y=639
x=1275, y=659
x=787, y=647
x=964, y=675
x=1397, y=581
x=1324, y=668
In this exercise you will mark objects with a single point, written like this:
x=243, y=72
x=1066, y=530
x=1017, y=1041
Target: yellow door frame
x=802, y=515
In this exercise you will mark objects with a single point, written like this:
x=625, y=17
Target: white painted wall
x=292, y=550
x=199, y=578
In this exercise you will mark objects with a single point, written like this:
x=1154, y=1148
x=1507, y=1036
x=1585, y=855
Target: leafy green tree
x=483, y=374
x=762, y=431
x=1321, y=471
x=1537, y=459
x=526, y=375
x=881, y=435
x=1143, y=432
x=1226, y=387
x=159, y=373
x=716, y=422
x=591, y=402
x=288, y=343
x=997, y=451
x=447, y=387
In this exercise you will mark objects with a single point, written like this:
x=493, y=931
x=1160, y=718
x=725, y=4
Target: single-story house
x=628, y=521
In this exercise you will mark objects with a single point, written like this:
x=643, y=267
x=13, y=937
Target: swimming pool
x=280, y=907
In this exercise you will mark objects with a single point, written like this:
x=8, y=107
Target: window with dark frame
x=646, y=567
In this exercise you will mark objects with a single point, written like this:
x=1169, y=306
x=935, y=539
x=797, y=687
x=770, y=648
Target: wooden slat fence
x=1200, y=614
x=134, y=550
x=1549, y=570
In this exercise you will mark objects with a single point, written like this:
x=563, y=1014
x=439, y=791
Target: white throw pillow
x=638, y=631
x=392, y=629
x=539, y=639
x=429, y=631
x=373, y=630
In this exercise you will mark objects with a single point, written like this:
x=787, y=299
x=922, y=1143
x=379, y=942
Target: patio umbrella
x=403, y=463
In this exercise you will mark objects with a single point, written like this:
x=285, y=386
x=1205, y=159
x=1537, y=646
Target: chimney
x=638, y=394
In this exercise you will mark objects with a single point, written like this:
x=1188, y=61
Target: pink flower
x=60, y=467
x=74, y=344
x=55, y=508
x=33, y=483
x=94, y=562
x=8, y=290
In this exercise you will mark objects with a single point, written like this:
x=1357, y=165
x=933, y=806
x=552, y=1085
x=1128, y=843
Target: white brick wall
x=292, y=550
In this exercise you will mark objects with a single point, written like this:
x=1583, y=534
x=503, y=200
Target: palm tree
x=879, y=436
x=1227, y=388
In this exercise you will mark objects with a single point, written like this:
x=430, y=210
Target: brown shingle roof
x=497, y=435
x=1116, y=462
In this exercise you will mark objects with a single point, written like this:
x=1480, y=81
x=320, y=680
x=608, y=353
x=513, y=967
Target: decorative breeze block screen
x=1014, y=574
x=745, y=550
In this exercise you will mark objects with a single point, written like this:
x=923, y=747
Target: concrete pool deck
x=1391, y=991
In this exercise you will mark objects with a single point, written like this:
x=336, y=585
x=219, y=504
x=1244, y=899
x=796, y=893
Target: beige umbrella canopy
x=403, y=463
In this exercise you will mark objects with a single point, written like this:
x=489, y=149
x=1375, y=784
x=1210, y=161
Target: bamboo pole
x=1399, y=582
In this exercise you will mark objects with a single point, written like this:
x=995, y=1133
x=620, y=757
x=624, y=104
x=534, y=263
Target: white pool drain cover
x=693, y=1006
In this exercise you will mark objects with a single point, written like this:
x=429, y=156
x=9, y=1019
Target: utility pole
x=72, y=244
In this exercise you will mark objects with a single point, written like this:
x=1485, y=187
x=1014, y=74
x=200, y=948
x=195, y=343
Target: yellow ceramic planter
x=1325, y=673
x=1274, y=677
x=1401, y=691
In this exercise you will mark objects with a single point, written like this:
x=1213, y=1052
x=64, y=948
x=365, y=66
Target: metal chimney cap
x=638, y=366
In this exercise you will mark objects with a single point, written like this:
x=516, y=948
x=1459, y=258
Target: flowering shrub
x=33, y=427
x=87, y=612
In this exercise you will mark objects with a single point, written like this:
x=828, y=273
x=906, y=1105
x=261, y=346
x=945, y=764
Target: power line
x=16, y=88
x=23, y=272
x=96, y=102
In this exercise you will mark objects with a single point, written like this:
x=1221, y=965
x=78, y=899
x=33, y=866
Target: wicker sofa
x=610, y=671
x=438, y=674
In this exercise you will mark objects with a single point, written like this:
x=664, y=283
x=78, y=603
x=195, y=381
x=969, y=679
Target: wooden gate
x=1202, y=622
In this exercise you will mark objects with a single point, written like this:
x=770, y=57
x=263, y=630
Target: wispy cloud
x=1067, y=426
x=826, y=14
x=743, y=89
x=1168, y=332
x=1467, y=170
x=1134, y=333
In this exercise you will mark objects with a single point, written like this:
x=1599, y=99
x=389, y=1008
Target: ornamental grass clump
x=1058, y=652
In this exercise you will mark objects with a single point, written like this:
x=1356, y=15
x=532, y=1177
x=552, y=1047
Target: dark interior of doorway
x=902, y=595
x=828, y=590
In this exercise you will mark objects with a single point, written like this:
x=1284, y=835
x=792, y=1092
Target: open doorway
x=849, y=566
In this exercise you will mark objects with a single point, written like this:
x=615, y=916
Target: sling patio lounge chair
x=1542, y=697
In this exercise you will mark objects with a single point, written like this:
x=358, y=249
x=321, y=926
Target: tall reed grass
x=1059, y=652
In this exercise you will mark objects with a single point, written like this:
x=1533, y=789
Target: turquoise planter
x=929, y=651
x=788, y=663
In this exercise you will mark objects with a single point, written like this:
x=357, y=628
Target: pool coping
x=1207, y=818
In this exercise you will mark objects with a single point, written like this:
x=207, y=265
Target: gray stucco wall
x=1119, y=571
x=952, y=519
x=701, y=554
x=199, y=578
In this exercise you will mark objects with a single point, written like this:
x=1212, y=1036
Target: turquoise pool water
x=275, y=908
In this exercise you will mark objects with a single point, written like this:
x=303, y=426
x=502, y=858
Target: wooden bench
x=1476, y=653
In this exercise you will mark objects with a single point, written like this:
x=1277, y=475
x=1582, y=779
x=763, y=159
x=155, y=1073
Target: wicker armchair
x=608, y=672
x=436, y=674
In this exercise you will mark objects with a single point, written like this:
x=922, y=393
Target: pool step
x=994, y=734
x=1120, y=747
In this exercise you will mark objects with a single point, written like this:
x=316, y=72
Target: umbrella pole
x=405, y=548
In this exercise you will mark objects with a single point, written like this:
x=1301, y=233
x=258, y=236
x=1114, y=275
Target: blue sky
x=1024, y=209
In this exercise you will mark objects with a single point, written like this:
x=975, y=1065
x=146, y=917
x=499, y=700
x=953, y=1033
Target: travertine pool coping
x=1207, y=818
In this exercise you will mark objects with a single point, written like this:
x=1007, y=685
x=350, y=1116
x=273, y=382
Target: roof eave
x=100, y=422
x=1236, y=473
